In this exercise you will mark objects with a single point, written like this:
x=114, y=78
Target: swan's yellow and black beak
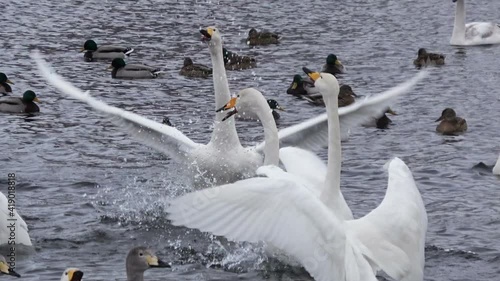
x=231, y=104
x=154, y=261
x=207, y=34
x=313, y=75
x=5, y=269
x=75, y=275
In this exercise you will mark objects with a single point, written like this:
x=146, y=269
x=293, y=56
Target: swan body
x=496, y=168
x=314, y=224
x=474, y=33
x=22, y=236
x=223, y=159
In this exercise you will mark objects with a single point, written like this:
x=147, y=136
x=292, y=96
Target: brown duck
x=262, y=38
x=425, y=59
x=450, y=123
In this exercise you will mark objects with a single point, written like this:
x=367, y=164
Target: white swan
x=9, y=216
x=284, y=211
x=474, y=33
x=496, y=168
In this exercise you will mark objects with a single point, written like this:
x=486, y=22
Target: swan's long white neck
x=331, y=194
x=458, y=35
x=224, y=134
x=271, y=145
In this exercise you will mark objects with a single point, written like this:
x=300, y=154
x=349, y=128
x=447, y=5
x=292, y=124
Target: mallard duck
x=234, y=62
x=72, y=274
x=262, y=38
x=383, y=122
x=20, y=105
x=333, y=65
x=132, y=71
x=140, y=259
x=195, y=70
x=4, y=84
x=167, y=122
x=424, y=58
x=300, y=87
x=104, y=52
x=5, y=269
x=450, y=123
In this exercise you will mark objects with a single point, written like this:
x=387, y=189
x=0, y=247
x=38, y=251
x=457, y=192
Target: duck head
x=89, y=45
x=447, y=114
x=30, y=96
x=4, y=79
x=332, y=59
x=117, y=63
x=325, y=82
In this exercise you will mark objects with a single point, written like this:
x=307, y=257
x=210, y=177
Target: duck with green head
x=189, y=69
x=4, y=84
x=26, y=104
x=233, y=61
x=300, y=87
x=333, y=65
x=262, y=38
x=450, y=124
x=108, y=52
x=122, y=70
x=425, y=59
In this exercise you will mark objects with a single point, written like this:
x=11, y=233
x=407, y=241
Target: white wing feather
x=280, y=212
x=313, y=133
x=306, y=165
x=22, y=236
x=163, y=138
x=394, y=233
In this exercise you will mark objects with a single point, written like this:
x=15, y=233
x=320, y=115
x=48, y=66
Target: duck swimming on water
x=450, y=123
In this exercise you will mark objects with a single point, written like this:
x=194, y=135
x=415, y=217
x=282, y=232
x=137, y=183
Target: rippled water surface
x=89, y=192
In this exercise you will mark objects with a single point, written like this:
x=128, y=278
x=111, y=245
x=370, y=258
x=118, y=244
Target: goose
x=262, y=38
x=92, y=52
x=4, y=84
x=425, y=59
x=223, y=159
x=189, y=69
x=474, y=33
x=25, y=104
x=140, y=259
x=313, y=224
x=72, y=274
x=450, y=124
x=21, y=229
x=5, y=269
x=120, y=69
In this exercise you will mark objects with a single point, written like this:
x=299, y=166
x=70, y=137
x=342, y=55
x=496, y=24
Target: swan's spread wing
x=393, y=234
x=496, y=169
x=163, y=138
x=277, y=211
x=306, y=165
x=313, y=133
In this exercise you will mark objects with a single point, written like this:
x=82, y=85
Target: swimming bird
x=21, y=229
x=223, y=158
x=333, y=65
x=140, y=259
x=167, y=122
x=450, y=124
x=92, y=52
x=314, y=224
x=496, y=168
x=72, y=274
x=382, y=121
x=132, y=71
x=262, y=38
x=189, y=69
x=234, y=62
x=300, y=87
x=425, y=59
x=474, y=33
x=5, y=269
x=4, y=84
x=20, y=105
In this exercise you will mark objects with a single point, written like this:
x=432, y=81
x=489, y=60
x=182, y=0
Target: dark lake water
x=89, y=192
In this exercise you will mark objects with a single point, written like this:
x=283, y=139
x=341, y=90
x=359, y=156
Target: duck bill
x=207, y=34
x=10, y=82
x=280, y=108
x=294, y=86
x=390, y=111
x=82, y=50
x=439, y=119
x=109, y=68
x=339, y=63
x=36, y=99
x=313, y=75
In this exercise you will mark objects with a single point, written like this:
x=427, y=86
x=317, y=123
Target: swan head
x=72, y=274
x=247, y=100
x=140, y=259
x=325, y=82
x=5, y=269
x=212, y=35
x=447, y=114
